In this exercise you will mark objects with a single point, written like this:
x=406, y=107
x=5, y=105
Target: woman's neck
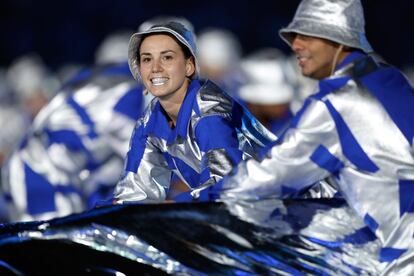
x=172, y=103
x=171, y=109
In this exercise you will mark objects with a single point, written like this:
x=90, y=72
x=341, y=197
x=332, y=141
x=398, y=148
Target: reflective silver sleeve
x=287, y=164
x=219, y=164
x=151, y=181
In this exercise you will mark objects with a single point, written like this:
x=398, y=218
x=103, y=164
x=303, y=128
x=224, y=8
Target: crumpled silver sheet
x=273, y=237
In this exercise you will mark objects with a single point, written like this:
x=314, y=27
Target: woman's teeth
x=159, y=81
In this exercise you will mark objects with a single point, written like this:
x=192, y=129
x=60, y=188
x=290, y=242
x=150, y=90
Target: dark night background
x=70, y=31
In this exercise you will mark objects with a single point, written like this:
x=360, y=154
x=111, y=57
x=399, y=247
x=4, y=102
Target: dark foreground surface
x=268, y=237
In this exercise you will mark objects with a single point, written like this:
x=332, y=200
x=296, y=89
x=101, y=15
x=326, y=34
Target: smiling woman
x=191, y=127
x=165, y=71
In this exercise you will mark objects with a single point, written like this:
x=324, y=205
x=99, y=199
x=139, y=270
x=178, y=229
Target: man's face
x=163, y=66
x=315, y=55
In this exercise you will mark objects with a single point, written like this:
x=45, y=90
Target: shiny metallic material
x=218, y=162
x=265, y=237
x=334, y=125
x=341, y=21
x=75, y=145
x=110, y=239
x=178, y=30
x=150, y=179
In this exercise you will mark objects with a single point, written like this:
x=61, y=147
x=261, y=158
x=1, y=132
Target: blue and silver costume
x=75, y=147
x=212, y=134
x=358, y=128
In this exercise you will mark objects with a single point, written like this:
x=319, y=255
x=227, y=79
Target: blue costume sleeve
x=136, y=149
x=147, y=176
x=217, y=138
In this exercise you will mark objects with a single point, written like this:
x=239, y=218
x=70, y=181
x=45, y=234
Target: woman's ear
x=190, y=67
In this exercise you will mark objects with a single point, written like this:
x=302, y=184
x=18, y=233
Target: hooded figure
x=358, y=128
x=267, y=91
x=220, y=52
x=191, y=127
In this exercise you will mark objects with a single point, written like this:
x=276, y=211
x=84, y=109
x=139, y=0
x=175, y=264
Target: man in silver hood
x=358, y=128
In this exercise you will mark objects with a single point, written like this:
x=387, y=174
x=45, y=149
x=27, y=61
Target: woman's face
x=163, y=67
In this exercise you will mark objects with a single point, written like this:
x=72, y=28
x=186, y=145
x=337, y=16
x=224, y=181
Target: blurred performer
x=33, y=83
x=267, y=91
x=73, y=153
x=359, y=128
x=12, y=121
x=12, y=128
x=219, y=53
x=191, y=128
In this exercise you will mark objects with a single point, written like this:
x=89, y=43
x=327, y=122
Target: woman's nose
x=156, y=65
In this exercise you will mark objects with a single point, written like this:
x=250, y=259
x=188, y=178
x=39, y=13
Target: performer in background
x=72, y=155
x=267, y=92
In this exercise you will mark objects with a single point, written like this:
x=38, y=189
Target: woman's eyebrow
x=162, y=52
x=167, y=51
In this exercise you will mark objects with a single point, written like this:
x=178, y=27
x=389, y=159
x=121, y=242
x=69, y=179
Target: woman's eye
x=145, y=59
x=168, y=58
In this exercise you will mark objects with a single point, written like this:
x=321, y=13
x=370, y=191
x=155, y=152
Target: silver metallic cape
x=288, y=165
x=152, y=179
